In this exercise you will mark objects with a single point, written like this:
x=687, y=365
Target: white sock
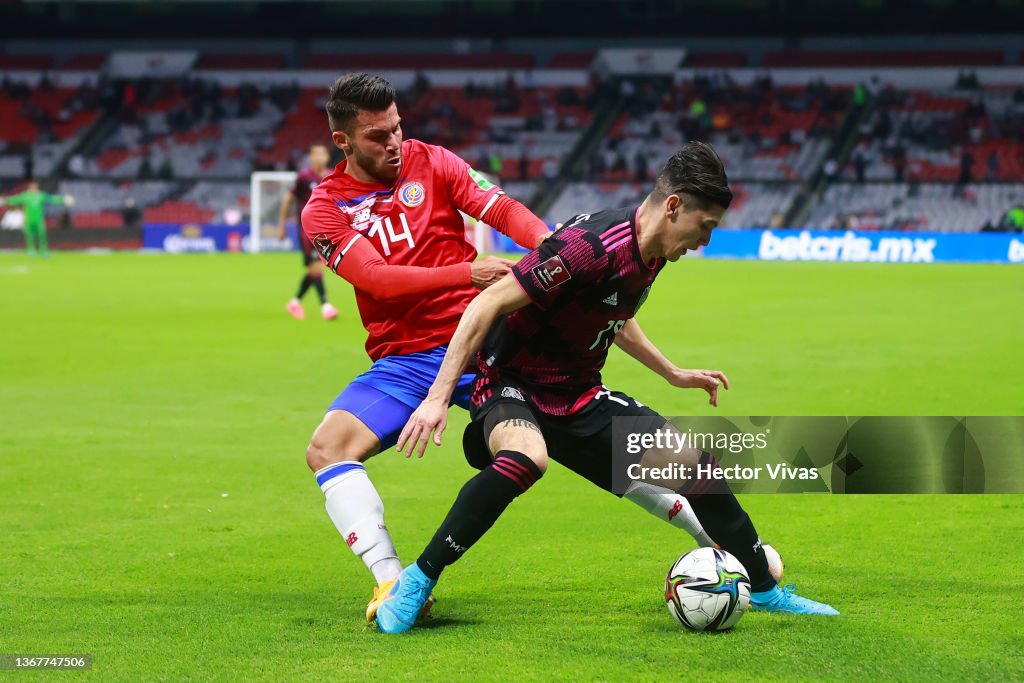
x=357, y=511
x=669, y=506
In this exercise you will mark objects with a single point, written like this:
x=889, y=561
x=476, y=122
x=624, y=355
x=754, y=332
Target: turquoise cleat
x=787, y=601
x=399, y=609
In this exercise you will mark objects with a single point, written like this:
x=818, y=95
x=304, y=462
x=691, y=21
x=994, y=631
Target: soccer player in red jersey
x=307, y=179
x=543, y=334
x=388, y=220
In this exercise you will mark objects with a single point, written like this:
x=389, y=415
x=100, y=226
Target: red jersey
x=404, y=247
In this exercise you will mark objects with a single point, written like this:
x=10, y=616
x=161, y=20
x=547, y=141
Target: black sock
x=725, y=521
x=303, y=287
x=477, y=507
x=318, y=285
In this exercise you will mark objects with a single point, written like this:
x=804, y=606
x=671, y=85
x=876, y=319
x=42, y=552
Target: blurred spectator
x=131, y=214
x=524, y=166
x=860, y=163
x=966, y=167
x=1015, y=218
x=831, y=170
x=166, y=171
x=495, y=164
x=76, y=165
x=640, y=163
x=899, y=163
x=860, y=95
x=550, y=171
x=993, y=166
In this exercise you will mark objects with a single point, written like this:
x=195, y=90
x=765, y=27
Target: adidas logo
x=612, y=300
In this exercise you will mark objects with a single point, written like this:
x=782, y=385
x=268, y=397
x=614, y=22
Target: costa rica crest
x=411, y=194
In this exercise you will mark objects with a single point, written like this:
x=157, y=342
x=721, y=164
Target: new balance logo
x=677, y=507
x=512, y=392
x=351, y=539
x=612, y=300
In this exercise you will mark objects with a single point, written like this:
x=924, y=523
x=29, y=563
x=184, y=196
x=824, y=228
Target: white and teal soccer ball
x=707, y=589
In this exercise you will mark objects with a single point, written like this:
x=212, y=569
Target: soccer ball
x=707, y=589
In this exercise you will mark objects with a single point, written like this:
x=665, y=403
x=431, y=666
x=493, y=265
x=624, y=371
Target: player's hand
x=489, y=270
x=69, y=200
x=282, y=232
x=708, y=380
x=431, y=416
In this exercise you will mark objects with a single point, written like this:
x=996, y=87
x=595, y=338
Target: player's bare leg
x=336, y=453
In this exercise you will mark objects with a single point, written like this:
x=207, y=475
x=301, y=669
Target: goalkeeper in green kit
x=32, y=200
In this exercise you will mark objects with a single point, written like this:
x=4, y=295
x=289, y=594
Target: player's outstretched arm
x=633, y=341
x=282, y=216
x=512, y=218
x=359, y=263
x=432, y=413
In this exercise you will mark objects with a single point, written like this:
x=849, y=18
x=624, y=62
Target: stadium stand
x=937, y=158
x=936, y=207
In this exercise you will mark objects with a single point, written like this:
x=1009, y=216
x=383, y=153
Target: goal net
x=267, y=189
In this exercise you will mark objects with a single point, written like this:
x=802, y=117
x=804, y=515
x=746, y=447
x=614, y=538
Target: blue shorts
x=385, y=396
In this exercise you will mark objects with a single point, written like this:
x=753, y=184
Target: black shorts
x=308, y=251
x=582, y=441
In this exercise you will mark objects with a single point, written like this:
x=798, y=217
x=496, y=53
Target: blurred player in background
x=543, y=335
x=387, y=220
x=33, y=202
x=305, y=181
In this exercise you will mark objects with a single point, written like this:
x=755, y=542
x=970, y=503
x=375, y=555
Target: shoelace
x=414, y=599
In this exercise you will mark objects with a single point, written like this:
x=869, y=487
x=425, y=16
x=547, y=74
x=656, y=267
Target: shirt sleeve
x=349, y=254
x=14, y=200
x=518, y=222
x=470, y=191
x=561, y=266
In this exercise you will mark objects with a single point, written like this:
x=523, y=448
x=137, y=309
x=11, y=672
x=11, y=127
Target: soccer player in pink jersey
x=307, y=179
x=543, y=335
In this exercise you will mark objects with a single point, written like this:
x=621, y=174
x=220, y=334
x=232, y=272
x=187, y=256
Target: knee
x=320, y=453
x=540, y=459
x=538, y=456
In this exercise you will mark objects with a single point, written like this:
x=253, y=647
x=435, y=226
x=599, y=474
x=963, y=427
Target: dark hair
x=697, y=175
x=353, y=92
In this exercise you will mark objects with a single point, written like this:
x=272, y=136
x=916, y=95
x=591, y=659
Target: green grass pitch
x=156, y=510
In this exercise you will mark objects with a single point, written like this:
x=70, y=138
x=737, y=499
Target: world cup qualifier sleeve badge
x=411, y=194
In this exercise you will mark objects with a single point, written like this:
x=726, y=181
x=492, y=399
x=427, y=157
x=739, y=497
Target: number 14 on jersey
x=385, y=231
